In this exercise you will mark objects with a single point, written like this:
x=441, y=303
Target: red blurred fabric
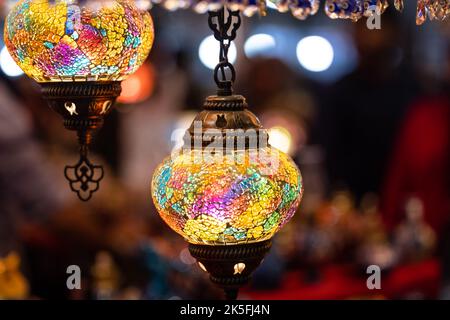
x=420, y=165
x=339, y=282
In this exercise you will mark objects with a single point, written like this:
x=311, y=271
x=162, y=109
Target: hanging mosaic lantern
x=227, y=191
x=79, y=52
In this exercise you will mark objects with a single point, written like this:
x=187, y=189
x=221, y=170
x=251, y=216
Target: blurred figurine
x=13, y=284
x=375, y=248
x=105, y=276
x=414, y=239
x=325, y=236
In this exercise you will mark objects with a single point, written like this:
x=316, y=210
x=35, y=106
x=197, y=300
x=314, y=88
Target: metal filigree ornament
x=84, y=177
x=79, y=51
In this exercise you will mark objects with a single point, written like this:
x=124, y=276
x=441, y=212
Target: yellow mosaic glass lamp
x=79, y=51
x=244, y=197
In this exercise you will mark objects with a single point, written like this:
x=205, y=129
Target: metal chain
x=224, y=23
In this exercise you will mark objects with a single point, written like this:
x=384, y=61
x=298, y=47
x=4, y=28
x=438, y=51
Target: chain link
x=224, y=23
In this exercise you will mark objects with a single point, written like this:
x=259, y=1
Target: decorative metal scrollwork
x=84, y=177
x=224, y=23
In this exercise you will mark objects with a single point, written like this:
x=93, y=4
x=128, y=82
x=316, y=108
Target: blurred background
x=364, y=113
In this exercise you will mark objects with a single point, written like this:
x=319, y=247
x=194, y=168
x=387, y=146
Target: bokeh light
x=280, y=138
x=271, y=5
x=259, y=45
x=208, y=52
x=8, y=65
x=139, y=86
x=181, y=125
x=315, y=53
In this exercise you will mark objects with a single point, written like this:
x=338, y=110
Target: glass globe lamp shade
x=71, y=40
x=244, y=197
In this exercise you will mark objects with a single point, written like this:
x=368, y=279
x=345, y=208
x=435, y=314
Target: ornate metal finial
x=84, y=177
x=83, y=106
x=224, y=23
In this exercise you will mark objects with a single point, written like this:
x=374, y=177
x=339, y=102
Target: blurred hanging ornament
x=281, y=5
x=369, y=6
x=383, y=5
x=302, y=9
x=372, y=7
x=438, y=9
x=421, y=15
x=399, y=5
x=433, y=9
x=227, y=191
x=79, y=51
x=344, y=9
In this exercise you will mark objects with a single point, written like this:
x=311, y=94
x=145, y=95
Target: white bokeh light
x=271, y=5
x=208, y=52
x=259, y=44
x=280, y=138
x=8, y=65
x=143, y=4
x=182, y=124
x=315, y=53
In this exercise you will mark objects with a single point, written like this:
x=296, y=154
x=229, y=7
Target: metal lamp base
x=83, y=106
x=230, y=266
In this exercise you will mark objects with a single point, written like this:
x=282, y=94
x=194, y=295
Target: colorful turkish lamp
x=228, y=205
x=229, y=202
x=79, y=52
